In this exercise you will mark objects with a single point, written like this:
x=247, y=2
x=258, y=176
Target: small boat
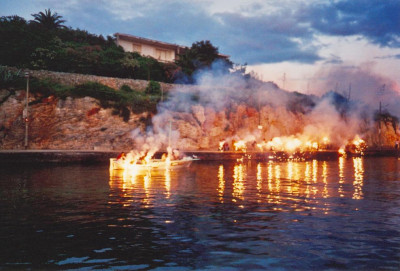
x=153, y=164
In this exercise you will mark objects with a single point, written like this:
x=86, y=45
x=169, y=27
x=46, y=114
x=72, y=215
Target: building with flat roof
x=162, y=51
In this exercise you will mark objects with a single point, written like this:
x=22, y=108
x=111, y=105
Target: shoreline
x=103, y=156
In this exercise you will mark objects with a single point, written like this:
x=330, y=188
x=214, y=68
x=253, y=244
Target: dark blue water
x=334, y=215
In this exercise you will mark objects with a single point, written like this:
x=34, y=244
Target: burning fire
x=290, y=145
x=358, y=145
x=135, y=163
x=240, y=146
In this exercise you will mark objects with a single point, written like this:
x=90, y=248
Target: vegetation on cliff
x=123, y=101
x=45, y=43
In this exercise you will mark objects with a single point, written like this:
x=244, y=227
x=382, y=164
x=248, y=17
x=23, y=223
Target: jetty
x=103, y=156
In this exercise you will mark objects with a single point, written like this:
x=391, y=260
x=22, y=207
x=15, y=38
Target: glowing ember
x=240, y=146
x=221, y=145
x=357, y=146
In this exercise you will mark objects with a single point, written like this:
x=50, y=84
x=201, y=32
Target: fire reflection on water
x=302, y=184
x=142, y=184
x=167, y=183
x=238, y=182
x=221, y=183
x=259, y=181
x=358, y=177
x=341, y=176
x=147, y=187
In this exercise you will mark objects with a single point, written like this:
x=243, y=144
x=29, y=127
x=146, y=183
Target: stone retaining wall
x=76, y=79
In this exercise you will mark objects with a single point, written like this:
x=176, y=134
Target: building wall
x=126, y=45
x=161, y=54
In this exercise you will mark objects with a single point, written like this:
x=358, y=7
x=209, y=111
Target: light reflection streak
x=290, y=176
x=296, y=176
x=147, y=184
x=270, y=176
x=277, y=178
x=238, y=185
x=259, y=180
x=167, y=183
x=307, y=178
x=341, y=176
x=325, y=193
x=358, y=177
x=315, y=176
x=221, y=183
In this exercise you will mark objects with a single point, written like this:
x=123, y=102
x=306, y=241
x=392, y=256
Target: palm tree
x=48, y=19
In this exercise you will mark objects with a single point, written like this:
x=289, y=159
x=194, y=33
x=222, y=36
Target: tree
x=201, y=55
x=48, y=20
x=14, y=34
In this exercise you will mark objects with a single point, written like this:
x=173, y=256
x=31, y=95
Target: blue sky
x=298, y=44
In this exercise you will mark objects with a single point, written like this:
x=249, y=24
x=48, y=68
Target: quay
x=102, y=156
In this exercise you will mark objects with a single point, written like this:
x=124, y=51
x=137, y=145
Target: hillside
x=199, y=116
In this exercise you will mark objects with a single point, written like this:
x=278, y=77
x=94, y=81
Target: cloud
x=397, y=56
x=247, y=39
x=250, y=32
x=267, y=39
x=334, y=59
x=376, y=20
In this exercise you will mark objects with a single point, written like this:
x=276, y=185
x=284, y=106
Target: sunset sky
x=309, y=46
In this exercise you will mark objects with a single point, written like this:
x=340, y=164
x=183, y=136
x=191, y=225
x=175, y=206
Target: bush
x=47, y=87
x=9, y=78
x=97, y=91
x=126, y=88
x=153, y=88
x=122, y=102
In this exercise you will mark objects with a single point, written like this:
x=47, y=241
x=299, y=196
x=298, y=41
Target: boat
x=152, y=164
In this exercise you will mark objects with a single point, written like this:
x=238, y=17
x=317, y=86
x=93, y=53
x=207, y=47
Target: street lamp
x=25, y=114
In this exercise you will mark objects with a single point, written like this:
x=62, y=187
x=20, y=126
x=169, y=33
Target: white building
x=162, y=51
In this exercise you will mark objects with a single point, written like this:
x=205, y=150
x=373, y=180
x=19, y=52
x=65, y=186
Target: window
x=162, y=55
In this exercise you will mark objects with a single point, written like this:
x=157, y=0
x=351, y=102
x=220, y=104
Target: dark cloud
x=376, y=20
x=267, y=39
x=397, y=56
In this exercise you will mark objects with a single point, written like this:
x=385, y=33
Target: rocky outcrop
x=82, y=124
x=64, y=124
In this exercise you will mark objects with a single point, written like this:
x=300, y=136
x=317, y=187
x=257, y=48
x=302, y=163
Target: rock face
x=64, y=124
x=82, y=124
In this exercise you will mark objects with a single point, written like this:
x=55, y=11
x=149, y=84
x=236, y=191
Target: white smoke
x=228, y=107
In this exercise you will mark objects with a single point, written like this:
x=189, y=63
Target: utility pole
x=26, y=111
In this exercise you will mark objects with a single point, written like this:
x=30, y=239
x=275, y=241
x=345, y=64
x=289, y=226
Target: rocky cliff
x=193, y=118
x=64, y=124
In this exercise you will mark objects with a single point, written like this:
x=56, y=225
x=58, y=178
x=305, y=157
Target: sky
x=310, y=46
